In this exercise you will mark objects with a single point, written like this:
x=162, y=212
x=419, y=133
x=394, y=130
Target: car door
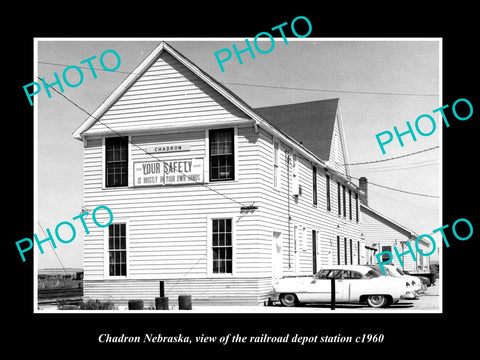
x=319, y=288
x=347, y=286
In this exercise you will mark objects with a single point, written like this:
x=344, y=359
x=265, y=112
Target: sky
x=379, y=84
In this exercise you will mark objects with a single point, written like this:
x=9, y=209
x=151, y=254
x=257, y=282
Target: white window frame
x=106, y=258
x=303, y=237
x=206, y=170
x=209, y=219
x=276, y=164
x=129, y=166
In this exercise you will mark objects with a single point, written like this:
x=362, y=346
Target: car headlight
x=408, y=284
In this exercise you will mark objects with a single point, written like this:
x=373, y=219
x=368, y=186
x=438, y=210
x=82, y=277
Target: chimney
x=363, y=184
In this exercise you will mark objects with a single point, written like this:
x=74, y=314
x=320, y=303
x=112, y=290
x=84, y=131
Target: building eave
x=81, y=132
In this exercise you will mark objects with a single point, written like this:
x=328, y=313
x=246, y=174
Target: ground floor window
x=386, y=257
x=117, y=249
x=338, y=250
x=222, y=246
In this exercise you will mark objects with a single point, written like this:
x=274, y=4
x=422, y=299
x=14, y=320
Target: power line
x=272, y=86
x=63, y=267
x=140, y=148
x=83, y=67
x=330, y=90
x=399, y=190
x=400, y=201
x=397, y=168
x=393, y=158
x=221, y=194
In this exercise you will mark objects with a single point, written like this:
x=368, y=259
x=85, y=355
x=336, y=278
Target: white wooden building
x=383, y=234
x=212, y=197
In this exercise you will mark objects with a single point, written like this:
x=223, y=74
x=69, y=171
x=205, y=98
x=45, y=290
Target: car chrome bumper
x=409, y=295
x=274, y=296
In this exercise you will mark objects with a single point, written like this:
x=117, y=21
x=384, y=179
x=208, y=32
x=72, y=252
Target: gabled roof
x=311, y=123
x=411, y=234
x=314, y=149
x=134, y=75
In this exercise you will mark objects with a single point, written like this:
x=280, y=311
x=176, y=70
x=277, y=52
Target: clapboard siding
x=304, y=215
x=379, y=232
x=204, y=291
x=168, y=94
x=167, y=226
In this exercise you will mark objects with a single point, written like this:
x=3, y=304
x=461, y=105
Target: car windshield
x=401, y=271
x=370, y=274
x=394, y=272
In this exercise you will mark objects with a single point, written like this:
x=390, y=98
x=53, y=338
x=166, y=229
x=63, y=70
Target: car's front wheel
x=377, y=301
x=289, y=300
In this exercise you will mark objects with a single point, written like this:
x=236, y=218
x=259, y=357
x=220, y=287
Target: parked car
x=424, y=279
x=354, y=284
x=416, y=280
x=414, y=285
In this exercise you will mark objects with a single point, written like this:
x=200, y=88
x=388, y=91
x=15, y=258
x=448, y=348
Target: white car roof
x=360, y=268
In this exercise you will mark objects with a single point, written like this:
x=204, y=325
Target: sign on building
x=169, y=172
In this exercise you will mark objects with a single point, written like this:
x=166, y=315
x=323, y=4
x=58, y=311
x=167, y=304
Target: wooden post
x=184, y=302
x=332, y=302
x=162, y=289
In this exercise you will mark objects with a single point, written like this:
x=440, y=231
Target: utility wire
x=396, y=168
x=63, y=267
x=399, y=190
x=141, y=149
x=243, y=205
x=330, y=90
x=393, y=158
x=83, y=67
x=272, y=86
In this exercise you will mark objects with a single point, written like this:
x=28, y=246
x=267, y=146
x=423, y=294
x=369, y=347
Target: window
x=345, y=250
x=222, y=246
x=339, y=199
x=117, y=250
x=350, y=274
x=385, y=257
x=330, y=274
x=370, y=274
x=314, y=184
x=338, y=250
x=314, y=251
x=358, y=252
x=276, y=180
x=356, y=205
x=351, y=253
x=221, y=155
x=116, y=156
x=350, y=203
x=344, y=201
x=328, y=193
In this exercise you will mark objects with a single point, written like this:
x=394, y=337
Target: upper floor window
x=339, y=199
x=314, y=184
x=356, y=206
x=116, y=155
x=276, y=150
x=222, y=165
x=328, y=193
x=350, y=203
x=344, y=201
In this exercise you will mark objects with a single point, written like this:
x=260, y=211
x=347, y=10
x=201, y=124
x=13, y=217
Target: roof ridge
x=297, y=103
